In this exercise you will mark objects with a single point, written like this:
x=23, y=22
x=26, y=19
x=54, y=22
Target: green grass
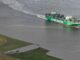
x=5, y=57
x=12, y=44
x=37, y=54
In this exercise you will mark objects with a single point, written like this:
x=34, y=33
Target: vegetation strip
x=8, y=43
x=36, y=54
x=5, y=57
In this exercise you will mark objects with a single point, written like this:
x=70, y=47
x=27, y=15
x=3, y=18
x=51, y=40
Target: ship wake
x=14, y=4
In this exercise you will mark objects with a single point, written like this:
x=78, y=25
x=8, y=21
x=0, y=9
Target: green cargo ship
x=59, y=18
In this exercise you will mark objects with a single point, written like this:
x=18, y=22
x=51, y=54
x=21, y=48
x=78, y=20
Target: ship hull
x=63, y=22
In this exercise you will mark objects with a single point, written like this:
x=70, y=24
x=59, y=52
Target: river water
x=61, y=41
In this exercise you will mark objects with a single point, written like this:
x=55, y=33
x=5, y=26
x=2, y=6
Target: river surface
x=61, y=41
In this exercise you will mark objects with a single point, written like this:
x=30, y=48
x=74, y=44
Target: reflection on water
x=51, y=25
x=70, y=29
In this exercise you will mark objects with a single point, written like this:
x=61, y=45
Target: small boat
x=60, y=18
